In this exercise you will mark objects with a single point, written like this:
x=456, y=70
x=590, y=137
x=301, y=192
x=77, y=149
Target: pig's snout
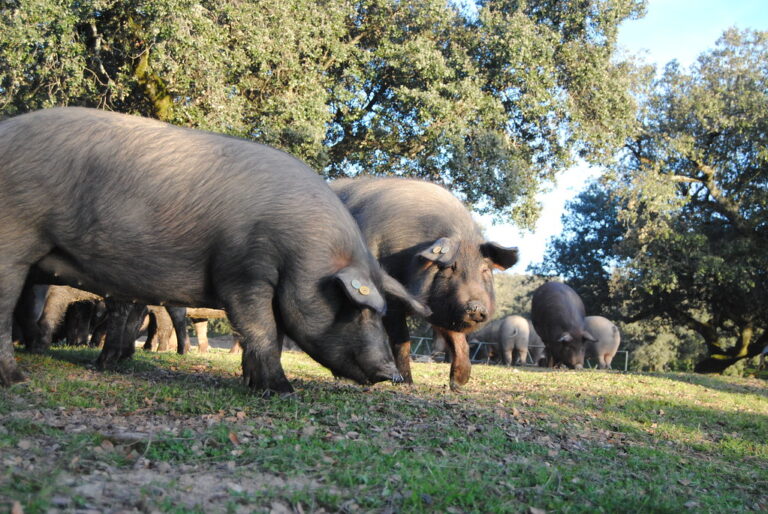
x=476, y=312
x=578, y=366
x=397, y=378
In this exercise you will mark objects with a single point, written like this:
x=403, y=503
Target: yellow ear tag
x=364, y=290
x=437, y=249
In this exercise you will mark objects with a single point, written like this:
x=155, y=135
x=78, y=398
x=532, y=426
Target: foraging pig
x=557, y=313
x=510, y=335
x=608, y=340
x=134, y=209
x=425, y=238
x=58, y=300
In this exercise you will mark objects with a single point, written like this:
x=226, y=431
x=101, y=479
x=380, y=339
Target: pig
x=426, y=238
x=118, y=205
x=163, y=323
x=535, y=344
x=58, y=302
x=199, y=318
x=510, y=334
x=558, y=315
x=608, y=340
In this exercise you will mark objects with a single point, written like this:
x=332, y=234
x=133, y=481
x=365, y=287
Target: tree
x=586, y=251
x=491, y=102
x=692, y=197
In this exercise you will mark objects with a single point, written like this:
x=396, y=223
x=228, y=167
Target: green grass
x=563, y=441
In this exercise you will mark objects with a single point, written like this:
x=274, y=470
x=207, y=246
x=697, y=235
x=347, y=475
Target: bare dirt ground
x=97, y=486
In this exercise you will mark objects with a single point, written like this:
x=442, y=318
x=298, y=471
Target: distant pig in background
x=608, y=340
x=137, y=210
x=510, y=334
x=557, y=313
x=426, y=238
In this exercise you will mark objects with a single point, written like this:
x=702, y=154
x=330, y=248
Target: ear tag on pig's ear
x=363, y=290
x=442, y=251
x=358, y=292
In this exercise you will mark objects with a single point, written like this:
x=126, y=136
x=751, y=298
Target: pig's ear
x=443, y=251
x=359, y=288
x=396, y=290
x=501, y=256
x=565, y=338
x=589, y=337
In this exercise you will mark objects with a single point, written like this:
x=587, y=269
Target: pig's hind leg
x=12, y=278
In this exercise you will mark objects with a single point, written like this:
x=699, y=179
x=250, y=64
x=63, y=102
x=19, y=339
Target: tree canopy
x=490, y=101
x=681, y=224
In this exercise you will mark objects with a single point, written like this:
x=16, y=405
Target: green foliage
x=491, y=103
x=585, y=253
x=514, y=292
x=682, y=219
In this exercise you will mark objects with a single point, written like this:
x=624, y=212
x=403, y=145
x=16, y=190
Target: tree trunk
x=718, y=360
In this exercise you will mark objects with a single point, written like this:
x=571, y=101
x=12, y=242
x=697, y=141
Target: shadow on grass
x=144, y=369
x=716, y=382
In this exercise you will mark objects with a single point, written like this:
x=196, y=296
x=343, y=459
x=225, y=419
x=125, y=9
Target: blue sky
x=671, y=29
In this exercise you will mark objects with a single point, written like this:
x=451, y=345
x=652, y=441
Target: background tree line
x=674, y=238
x=491, y=99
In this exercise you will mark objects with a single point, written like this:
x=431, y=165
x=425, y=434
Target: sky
x=671, y=29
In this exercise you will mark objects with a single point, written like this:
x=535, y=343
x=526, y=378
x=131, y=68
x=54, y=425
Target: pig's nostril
x=476, y=312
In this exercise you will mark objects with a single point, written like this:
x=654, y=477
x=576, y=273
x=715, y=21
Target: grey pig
x=118, y=205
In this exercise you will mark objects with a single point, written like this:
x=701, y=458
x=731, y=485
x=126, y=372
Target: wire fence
x=424, y=346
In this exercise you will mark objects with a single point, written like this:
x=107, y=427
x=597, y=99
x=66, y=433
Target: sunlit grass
x=513, y=439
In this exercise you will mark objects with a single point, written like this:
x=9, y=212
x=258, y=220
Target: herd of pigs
x=128, y=212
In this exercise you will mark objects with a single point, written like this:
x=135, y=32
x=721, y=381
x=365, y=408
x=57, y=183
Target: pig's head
x=454, y=276
x=570, y=347
x=343, y=328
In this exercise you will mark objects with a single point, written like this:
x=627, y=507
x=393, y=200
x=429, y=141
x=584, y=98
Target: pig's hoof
x=36, y=348
x=455, y=387
x=271, y=393
x=10, y=374
x=268, y=388
x=106, y=361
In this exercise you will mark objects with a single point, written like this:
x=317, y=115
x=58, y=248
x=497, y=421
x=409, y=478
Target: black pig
x=118, y=205
x=558, y=314
x=425, y=238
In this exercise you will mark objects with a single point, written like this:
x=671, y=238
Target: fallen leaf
x=16, y=508
x=308, y=431
x=234, y=439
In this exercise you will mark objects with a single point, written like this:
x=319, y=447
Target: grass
x=563, y=441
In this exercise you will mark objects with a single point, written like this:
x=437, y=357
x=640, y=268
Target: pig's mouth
x=354, y=372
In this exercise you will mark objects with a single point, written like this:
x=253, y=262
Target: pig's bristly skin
x=426, y=238
x=138, y=210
